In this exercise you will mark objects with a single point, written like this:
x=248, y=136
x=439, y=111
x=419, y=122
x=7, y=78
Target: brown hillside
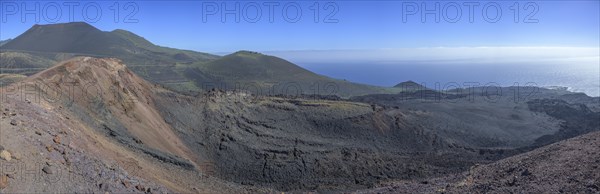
x=91, y=81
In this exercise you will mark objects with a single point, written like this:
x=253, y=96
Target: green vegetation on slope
x=43, y=46
x=270, y=75
x=24, y=63
x=182, y=70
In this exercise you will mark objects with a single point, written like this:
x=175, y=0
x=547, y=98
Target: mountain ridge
x=180, y=70
x=409, y=84
x=42, y=46
x=271, y=75
x=2, y=42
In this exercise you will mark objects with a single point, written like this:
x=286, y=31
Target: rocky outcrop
x=569, y=166
x=576, y=119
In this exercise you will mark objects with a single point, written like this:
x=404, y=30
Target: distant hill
x=2, y=42
x=43, y=45
x=187, y=71
x=409, y=84
x=77, y=37
x=251, y=70
x=251, y=65
x=83, y=38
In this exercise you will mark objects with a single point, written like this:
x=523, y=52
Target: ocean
x=575, y=75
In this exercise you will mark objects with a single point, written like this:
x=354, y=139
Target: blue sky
x=360, y=24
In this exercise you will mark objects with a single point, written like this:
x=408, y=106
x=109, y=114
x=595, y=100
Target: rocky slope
x=137, y=135
x=307, y=144
x=110, y=96
x=569, y=166
x=532, y=118
x=88, y=125
x=45, y=150
x=269, y=142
